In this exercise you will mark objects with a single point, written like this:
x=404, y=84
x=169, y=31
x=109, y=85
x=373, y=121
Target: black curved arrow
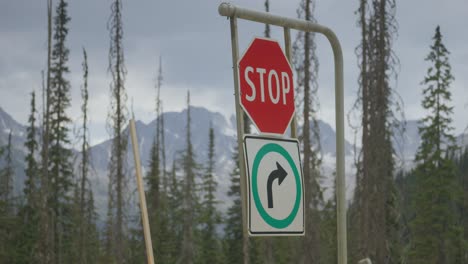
x=279, y=173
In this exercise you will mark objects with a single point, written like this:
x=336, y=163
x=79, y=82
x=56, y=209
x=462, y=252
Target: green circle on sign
x=276, y=223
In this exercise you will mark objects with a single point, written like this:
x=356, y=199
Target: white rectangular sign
x=275, y=187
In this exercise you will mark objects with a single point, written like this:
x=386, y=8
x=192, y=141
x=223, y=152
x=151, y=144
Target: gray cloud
x=194, y=43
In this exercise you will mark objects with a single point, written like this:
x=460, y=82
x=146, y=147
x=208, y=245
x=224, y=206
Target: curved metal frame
x=234, y=12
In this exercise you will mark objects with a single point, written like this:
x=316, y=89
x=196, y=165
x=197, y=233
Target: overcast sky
x=194, y=42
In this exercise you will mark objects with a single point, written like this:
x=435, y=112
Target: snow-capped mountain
x=18, y=137
x=175, y=142
x=175, y=123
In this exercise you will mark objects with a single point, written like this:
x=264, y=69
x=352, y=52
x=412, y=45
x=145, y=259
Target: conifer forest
x=68, y=191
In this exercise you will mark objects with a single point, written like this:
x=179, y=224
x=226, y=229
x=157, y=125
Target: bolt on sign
x=267, y=86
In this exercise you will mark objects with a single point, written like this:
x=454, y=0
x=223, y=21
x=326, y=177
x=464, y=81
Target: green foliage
x=59, y=199
x=463, y=180
x=436, y=232
x=328, y=245
x=6, y=179
x=27, y=235
x=374, y=214
x=210, y=248
x=190, y=201
x=175, y=216
x=32, y=180
x=233, y=222
x=86, y=237
x=153, y=192
x=7, y=207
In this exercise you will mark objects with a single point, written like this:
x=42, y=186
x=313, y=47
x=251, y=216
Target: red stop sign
x=266, y=86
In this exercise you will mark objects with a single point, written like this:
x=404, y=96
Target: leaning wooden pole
x=141, y=194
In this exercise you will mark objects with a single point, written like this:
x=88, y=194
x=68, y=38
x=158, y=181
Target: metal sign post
x=234, y=12
x=240, y=133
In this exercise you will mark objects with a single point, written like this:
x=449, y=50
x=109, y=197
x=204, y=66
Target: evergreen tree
x=436, y=231
x=210, y=247
x=92, y=247
x=237, y=245
x=175, y=201
x=160, y=218
x=306, y=66
x=116, y=232
x=153, y=194
x=136, y=241
x=153, y=175
x=59, y=166
x=32, y=181
x=27, y=237
x=375, y=219
x=328, y=245
x=7, y=213
x=233, y=229
x=44, y=245
x=165, y=180
x=463, y=179
x=159, y=103
x=88, y=244
x=190, y=199
x=6, y=179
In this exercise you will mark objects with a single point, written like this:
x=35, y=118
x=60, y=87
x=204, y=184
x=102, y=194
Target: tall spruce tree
x=29, y=214
x=59, y=166
x=233, y=236
x=6, y=179
x=117, y=249
x=153, y=192
x=190, y=199
x=175, y=216
x=153, y=177
x=7, y=206
x=328, y=243
x=306, y=66
x=375, y=201
x=86, y=230
x=45, y=248
x=436, y=230
x=157, y=183
x=210, y=217
x=463, y=179
x=32, y=182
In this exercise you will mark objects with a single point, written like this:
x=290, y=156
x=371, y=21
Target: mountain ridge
x=225, y=142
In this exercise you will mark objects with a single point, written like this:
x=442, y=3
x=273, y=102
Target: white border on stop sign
x=240, y=94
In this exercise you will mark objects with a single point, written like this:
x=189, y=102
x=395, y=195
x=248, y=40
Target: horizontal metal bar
x=229, y=10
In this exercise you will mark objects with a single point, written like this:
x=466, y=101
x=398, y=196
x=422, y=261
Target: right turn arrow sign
x=279, y=173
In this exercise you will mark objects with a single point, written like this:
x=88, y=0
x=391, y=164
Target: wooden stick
x=141, y=192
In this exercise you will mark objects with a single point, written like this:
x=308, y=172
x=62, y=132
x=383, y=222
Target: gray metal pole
x=232, y=11
x=240, y=136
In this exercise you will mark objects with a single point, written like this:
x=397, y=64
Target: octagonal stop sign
x=266, y=86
